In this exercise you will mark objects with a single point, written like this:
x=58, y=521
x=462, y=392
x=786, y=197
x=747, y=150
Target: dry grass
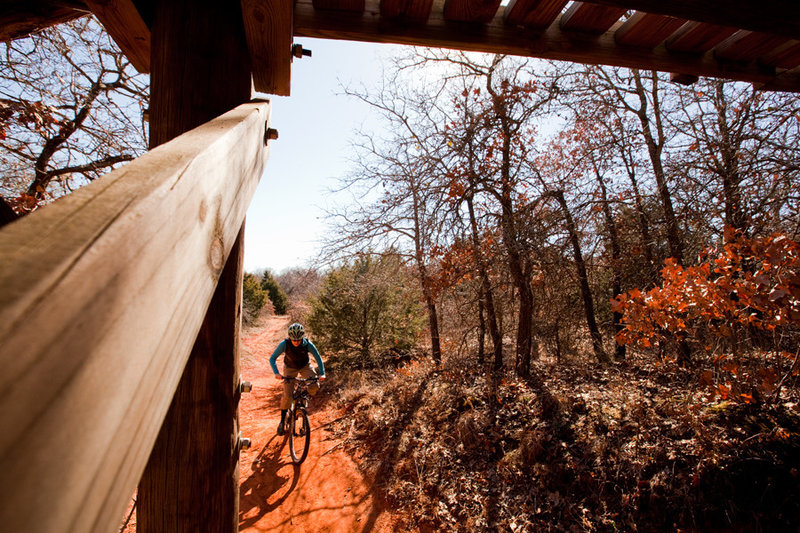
x=579, y=447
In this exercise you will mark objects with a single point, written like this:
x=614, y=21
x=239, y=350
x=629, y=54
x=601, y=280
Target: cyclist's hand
x=322, y=378
x=278, y=376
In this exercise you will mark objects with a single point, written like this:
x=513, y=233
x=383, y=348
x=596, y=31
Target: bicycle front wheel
x=299, y=436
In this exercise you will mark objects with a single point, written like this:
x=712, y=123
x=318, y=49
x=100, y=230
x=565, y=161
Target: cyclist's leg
x=306, y=373
x=288, y=386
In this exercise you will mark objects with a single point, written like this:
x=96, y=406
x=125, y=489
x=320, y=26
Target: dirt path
x=326, y=493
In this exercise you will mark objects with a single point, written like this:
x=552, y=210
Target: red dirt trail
x=326, y=493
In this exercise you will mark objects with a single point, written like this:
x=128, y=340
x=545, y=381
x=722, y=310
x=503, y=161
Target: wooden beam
x=125, y=25
x=590, y=18
x=698, y=37
x=470, y=10
x=101, y=298
x=413, y=10
x=201, y=67
x=533, y=13
x=20, y=18
x=780, y=17
x=497, y=37
x=268, y=26
x=340, y=5
x=646, y=30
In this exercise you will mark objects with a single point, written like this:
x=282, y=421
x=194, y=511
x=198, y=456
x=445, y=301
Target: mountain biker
x=295, y=363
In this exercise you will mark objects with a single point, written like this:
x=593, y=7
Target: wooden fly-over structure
x=120, y=304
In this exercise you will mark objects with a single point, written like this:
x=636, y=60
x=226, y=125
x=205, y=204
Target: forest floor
x=639, y=445
x=327, y=493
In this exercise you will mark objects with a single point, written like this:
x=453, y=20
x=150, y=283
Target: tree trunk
x=583, y=278
x=654, y=149
x=735, y=215
x=616, y=283
x=486, y=287
x=481, y=331
x=427, y=293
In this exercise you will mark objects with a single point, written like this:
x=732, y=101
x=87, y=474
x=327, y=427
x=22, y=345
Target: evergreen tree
x=275, y=293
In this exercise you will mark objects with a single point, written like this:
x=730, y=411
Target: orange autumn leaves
x=748, y=282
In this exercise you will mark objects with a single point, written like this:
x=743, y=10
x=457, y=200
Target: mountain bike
x=297, y=426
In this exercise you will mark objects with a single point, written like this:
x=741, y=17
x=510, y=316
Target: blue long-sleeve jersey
x=311, y=349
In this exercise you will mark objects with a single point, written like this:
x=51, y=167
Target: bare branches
x=70, y=109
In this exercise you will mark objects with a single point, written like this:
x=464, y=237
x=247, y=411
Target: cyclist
x=295, y=363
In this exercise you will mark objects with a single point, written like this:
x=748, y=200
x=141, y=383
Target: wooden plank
x=268, y=26
x=356, y=6
x=20, y=18
x=124, y=24
x=590, y=18
x=101, y=298
x=647, y=30
x=533, y=13
x=202, y=53
x=779, y=17
x=786, y=56
x=698, y=37
x=207, y=392
x=498, y=37
x=747, y=46
x=478, y=11
x=413, y=10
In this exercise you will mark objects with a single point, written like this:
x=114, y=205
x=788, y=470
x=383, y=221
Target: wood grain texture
x=123, y=22
x=268, y=26
x=647, y=30
x=102, y=295
x=747, y=46
x=698, y=37
x=413, y=10
x=197, y=447
x=19, y=18
x=498, y=37
x=471, y=10
x=340, y=5
x=202, y=69
x=533, y=13
x=786, y=56
x=590, y=18
x=780, y=17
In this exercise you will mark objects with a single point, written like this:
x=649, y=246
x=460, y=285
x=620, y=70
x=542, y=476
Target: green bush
x=275, y=293
x=253, y=298
x=365, y=309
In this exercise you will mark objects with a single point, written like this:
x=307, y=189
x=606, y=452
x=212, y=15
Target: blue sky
x=285, y=220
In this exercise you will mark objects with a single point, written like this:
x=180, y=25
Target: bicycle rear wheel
x=299, y=436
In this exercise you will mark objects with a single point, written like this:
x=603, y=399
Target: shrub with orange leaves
x=745, y=284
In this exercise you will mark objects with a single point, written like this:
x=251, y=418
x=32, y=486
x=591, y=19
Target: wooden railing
x=102, y=295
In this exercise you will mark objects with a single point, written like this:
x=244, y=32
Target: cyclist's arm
x=317, y=358
x=274, y=357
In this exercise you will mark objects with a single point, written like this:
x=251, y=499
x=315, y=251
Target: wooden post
x=200, y=69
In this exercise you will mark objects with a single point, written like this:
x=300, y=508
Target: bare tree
x=71, y=108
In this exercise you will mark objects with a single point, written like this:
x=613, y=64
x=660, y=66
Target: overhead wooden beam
x=646, y=30
x=590, y=18
x=268, y=26
x=781, y=17
x=19, y=18
x=533, y=13
x=497, y=37
x=125, y=25
x=413, y=10
x=470, y=10
x=101, y=298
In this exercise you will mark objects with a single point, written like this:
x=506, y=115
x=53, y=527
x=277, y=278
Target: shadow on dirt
x=264, y=482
